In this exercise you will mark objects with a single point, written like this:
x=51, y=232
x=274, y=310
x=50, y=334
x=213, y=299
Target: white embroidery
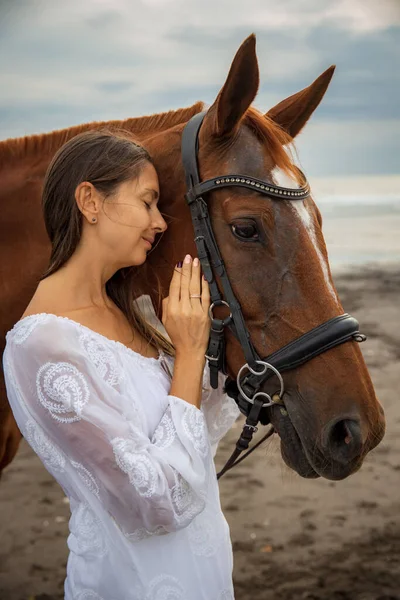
x=166, y=587
x=220, y=417
x=143, y=533
x=195, y=428
x=139, y=468
x=89, y=595
x=87, y=531
x=185, y=502
x=87, y=478
x=50, y=455
x=63, y=390
x=24, y=328
x=165, y=433
x=103, y=359
x=138, y=441
x=203, y=535
x=68, y=393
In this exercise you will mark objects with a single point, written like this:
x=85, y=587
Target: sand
x=292, y=538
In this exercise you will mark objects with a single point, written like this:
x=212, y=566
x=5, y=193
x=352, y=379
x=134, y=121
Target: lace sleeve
x=220, y=411
x=74, y=416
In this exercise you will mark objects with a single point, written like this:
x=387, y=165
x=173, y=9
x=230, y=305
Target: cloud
x=63, y=64
x=328, y=148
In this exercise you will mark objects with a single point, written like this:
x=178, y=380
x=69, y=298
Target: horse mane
x=266, y=130
x=276, y=139
x=46, y=143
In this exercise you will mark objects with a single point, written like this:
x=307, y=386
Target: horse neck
x=30, y=154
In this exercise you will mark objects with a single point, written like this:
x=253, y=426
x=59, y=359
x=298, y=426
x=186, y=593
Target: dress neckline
x=116, y=343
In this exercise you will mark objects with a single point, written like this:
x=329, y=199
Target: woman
x=89, y=382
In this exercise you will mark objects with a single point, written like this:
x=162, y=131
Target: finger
x=175, y=285
x=195, y=282
x=185, y=281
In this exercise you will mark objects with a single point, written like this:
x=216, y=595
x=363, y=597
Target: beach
x=292, y=538
x=318, y=539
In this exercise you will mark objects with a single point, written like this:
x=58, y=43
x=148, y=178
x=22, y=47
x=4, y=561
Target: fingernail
x=179, y=264
x=204, y=277
x=195, y=262
x=188, y=258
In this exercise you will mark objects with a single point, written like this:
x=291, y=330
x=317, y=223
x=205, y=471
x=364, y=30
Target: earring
x=94, y=220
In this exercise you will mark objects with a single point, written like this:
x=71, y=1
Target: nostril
x=341, y=433
x=342, y=441
x=348, y=437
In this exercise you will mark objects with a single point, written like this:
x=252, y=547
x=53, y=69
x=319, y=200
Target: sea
x=361, y=229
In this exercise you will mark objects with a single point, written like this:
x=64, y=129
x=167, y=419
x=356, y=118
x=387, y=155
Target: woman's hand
x=186, y=319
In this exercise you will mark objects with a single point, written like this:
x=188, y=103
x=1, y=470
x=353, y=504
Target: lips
x=150, y=240
x=291, y=447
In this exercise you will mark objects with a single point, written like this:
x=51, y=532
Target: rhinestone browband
x=250, y=183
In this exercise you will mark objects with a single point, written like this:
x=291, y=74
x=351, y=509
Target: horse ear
x=239, y=90
x=293, y=113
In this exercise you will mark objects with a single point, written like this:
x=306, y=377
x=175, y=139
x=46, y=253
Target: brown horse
x=274, y=252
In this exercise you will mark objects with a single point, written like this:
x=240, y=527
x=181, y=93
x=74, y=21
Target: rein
x=246, y=389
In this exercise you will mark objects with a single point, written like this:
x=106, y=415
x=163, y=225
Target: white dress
x=136, y=463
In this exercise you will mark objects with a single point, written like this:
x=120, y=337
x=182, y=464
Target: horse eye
x=245, y=231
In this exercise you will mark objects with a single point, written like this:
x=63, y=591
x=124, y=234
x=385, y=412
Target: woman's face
x=130, y=216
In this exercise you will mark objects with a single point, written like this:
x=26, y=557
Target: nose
x=341, y=440
x=160, y=223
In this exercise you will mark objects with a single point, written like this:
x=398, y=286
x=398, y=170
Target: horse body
x=281, y=277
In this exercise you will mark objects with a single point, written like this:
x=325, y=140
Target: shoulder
x=51, y=344
x=47, y=333
x=47, y=337
x=46, y=328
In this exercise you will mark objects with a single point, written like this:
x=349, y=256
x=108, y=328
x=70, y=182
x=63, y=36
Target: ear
x=87, y=200
x=293, y=113
x=239, y=90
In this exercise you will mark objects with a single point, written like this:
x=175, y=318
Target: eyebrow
x=151, y=191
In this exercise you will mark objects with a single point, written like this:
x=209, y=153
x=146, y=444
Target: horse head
x=277, y=264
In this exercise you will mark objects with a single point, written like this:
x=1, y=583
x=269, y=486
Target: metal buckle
x=253, y=427
x=267, y=366
x=212, y=357
x=359, y=337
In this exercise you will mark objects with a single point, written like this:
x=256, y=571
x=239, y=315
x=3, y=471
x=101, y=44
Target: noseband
x=256, y=371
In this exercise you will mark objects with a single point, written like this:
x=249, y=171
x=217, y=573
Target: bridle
x=245, y=390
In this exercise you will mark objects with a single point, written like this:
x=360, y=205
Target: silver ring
x=195, y=296
x=220, y=303
x=266, y=367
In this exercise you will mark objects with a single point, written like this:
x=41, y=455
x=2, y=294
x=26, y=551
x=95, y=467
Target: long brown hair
x=106, y=159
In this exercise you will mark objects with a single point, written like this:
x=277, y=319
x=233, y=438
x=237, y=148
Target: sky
x=64, y=63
